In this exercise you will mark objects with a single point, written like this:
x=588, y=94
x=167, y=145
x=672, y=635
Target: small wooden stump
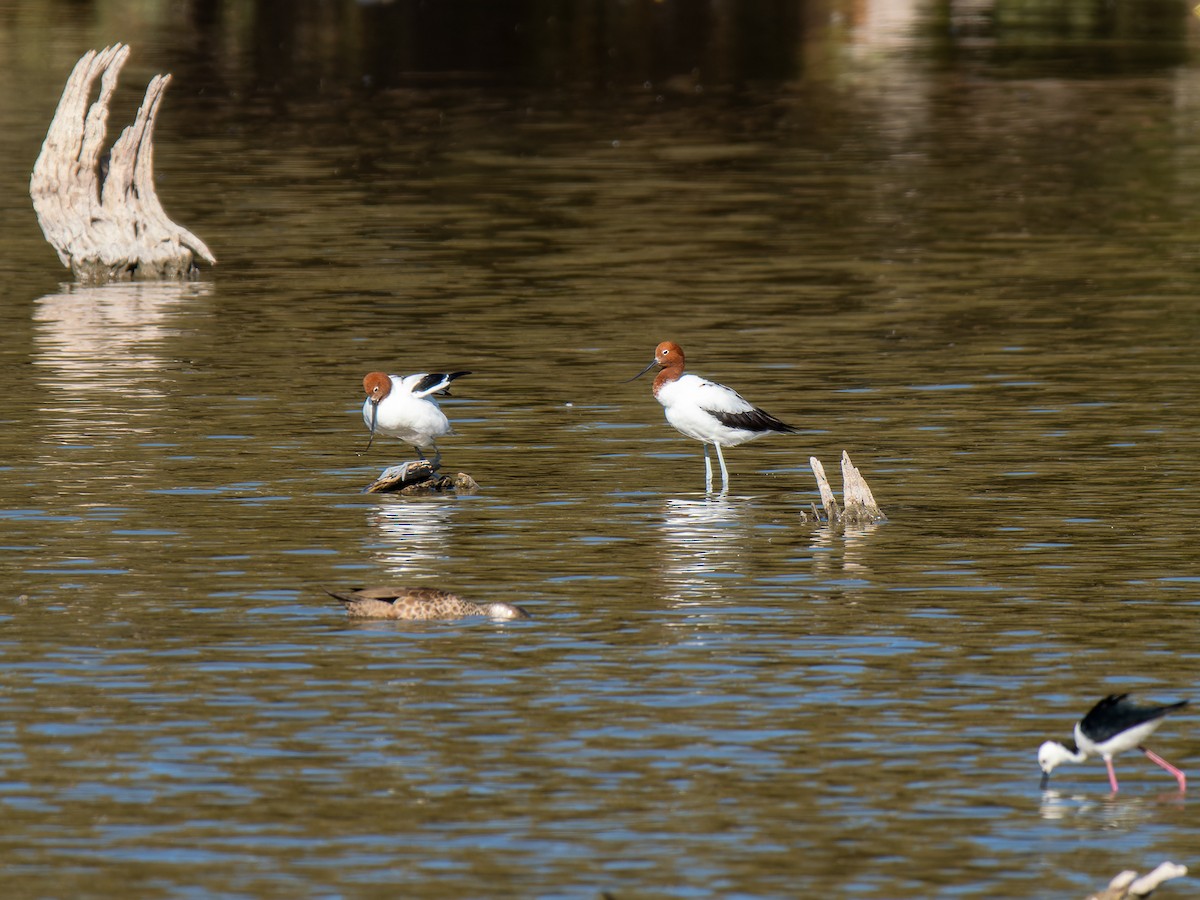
x=859, y=503
x=1128, y=885
x=420, y=477
x=108, y=226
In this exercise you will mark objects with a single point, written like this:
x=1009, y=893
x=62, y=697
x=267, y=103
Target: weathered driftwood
x=107, y=226
x=858, y=504
x=420, y=477
x=1128, y=885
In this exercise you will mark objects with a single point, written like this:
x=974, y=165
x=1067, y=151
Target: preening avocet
x=706, y=411
x=404, y=407
x=418, y=604
x=1112, y=726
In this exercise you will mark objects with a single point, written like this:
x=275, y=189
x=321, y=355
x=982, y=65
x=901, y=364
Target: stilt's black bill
x=1045, y=780
x=653, y=363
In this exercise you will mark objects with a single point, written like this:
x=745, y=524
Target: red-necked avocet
x=706, y=411
x=404, y=407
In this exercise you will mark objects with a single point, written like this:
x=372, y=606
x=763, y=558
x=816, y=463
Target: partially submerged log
x=1128, y=885
x=858, y=503
x=420, y=477
x=108, y=225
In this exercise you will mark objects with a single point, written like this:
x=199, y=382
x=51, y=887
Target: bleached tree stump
x=1128, y=885
x=108, y=227
x=858, y=503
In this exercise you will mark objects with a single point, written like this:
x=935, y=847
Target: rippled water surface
x=973, y=268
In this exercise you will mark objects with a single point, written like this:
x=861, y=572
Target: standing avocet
x=404, y=407
x=706, y=411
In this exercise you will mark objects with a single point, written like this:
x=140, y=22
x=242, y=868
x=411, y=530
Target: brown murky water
x=977, y=274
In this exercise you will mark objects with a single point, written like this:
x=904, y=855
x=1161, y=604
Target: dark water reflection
x=978, y=279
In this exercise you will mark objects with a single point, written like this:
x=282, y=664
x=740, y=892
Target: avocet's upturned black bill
x=1112, y=726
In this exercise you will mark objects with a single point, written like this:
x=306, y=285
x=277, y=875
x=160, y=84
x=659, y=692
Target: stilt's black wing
x=1117, y=713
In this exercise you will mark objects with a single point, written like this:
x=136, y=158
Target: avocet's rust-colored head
x=377, y=385
x=667, y=355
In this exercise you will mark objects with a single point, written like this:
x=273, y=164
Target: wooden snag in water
x=1128, y=885
x=420, y=477
x=858, y=501
x=108, y=227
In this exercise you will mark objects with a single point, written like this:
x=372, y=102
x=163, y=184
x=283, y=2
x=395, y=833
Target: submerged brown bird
x=418, y=603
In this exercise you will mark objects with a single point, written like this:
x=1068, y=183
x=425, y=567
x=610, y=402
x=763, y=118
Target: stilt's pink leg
x=1112, y=776
x=1179, y=776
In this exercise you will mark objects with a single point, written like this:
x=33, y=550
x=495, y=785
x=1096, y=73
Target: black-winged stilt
x=706, y=411
x=1112, y=726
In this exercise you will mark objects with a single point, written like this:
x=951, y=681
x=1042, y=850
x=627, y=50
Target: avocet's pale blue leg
x=724, y=471
x=707, y=471
x=437, y=456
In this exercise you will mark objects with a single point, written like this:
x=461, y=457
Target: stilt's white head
x=1052, y=754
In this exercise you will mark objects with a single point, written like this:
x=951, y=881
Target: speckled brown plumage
x=418, y=604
